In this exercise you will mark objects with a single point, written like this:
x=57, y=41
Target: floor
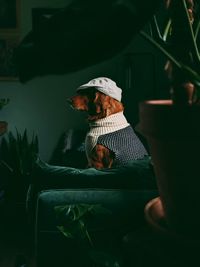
x=16, y=239
x=146, y=248
x=143, y=248
x=13, y=254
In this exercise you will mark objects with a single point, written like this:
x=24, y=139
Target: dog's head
x=97, y=104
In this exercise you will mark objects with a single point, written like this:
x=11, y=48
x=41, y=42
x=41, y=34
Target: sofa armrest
x=137, y=174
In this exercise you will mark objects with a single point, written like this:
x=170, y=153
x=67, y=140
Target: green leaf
x=161, y=48
x=18, y=153
x=73, y=212
x=65, y=231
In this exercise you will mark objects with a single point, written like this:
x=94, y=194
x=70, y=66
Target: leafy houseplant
x=74, y=222
x=171, y=127
x=178, y=40
x=17, y=157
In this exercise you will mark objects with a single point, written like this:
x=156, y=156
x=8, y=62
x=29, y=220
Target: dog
x=111, y=141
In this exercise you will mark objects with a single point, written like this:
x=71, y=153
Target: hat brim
x=85, y=86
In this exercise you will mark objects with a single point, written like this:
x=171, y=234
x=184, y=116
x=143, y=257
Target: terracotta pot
x=173, y=136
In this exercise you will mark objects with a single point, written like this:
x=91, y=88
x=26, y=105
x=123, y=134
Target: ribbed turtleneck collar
x=109, y=124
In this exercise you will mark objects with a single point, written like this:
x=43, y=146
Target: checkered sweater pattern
x=125, y=144
x=115, y=133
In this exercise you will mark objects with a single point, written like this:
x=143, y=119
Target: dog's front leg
x=101, y=157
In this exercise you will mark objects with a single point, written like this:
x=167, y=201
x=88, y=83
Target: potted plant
x=17, y=157
x=172, y=127
x=79, y=223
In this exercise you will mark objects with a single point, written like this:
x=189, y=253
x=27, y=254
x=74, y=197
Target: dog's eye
x=80, y=92
x=83, y=92
x=90, y=93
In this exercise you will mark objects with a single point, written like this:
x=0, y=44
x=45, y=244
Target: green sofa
x=124, y=191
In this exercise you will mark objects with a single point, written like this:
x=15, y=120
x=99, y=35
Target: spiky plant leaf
x=73, y=224
x=18, y=153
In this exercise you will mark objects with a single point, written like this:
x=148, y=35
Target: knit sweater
x=115, y=133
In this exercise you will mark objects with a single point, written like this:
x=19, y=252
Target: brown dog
x=111, y=141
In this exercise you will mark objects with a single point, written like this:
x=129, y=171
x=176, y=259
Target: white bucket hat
x=104, y=85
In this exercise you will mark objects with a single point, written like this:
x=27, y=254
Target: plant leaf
x=18, y=153
x=65, y=231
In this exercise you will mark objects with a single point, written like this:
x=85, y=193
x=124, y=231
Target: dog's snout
x=78, y=102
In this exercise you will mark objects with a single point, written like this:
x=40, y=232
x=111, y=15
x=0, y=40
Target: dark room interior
x=69, y=195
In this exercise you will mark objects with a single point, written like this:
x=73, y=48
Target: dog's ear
x=99, y=102
x=103, y=106
x=96, y=108
x=92, y=108
x=112, y=106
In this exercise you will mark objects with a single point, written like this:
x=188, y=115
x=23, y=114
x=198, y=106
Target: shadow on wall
x=70, y=150
x=65, y=43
